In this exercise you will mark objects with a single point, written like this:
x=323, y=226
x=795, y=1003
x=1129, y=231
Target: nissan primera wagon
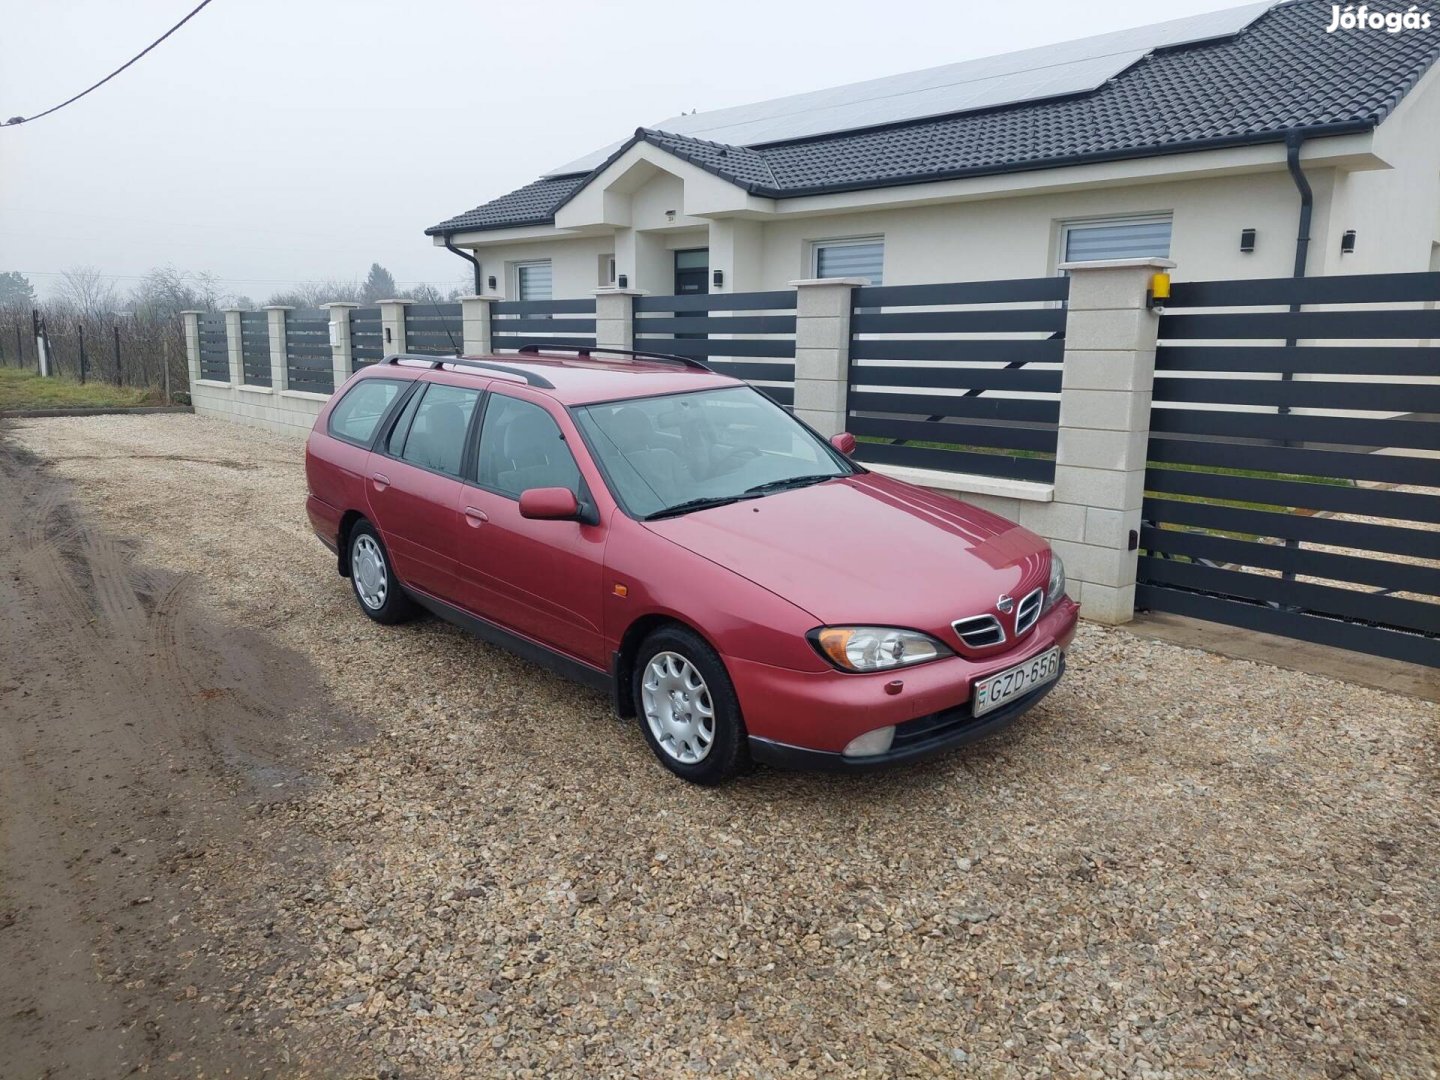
x=640, y=523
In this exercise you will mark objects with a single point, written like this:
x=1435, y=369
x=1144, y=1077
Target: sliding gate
x=1293, y=483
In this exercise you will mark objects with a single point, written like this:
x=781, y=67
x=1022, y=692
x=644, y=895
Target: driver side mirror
x=549, y=504
x=844, y=442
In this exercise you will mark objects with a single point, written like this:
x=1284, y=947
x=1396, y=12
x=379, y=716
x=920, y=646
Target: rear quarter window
x=357, y=414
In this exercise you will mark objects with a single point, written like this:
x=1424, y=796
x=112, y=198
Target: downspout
x=471, y=259
x=1293, y=139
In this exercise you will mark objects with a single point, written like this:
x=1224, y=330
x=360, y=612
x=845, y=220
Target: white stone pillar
x=190, y=321
x=615, y=318
x=477, y=313
x=392, y=325
x=822, y=351
x=232, y=345
x=735, y=251
x=342, y=363
x=279, y=364
x=1105, y=393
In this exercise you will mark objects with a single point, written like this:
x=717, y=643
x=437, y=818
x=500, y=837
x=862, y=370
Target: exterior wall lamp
x=1247, y=240
x=719, y=278
x=491, y=282
x=623, y=280
x=1347, y=242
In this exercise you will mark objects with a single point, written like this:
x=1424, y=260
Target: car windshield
x=669, y=455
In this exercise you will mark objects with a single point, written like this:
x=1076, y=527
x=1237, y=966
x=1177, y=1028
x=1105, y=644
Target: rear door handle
x=475, y=517
x=381, y=481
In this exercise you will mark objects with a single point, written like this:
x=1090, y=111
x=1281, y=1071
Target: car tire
x=377, y=589
x=686, y=707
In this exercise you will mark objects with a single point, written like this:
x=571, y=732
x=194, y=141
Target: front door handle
x=475, y=517
x=381, y=481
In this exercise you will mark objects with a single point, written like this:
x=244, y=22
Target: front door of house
x=692, y=277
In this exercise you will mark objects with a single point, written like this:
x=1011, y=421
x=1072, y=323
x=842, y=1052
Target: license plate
x=994, y=690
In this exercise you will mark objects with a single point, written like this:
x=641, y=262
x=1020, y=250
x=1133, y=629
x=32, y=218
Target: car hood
x=869, y=549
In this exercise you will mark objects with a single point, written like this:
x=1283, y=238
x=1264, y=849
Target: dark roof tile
x=1282, y=72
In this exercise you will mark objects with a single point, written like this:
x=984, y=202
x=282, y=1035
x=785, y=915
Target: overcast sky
x=275, y=141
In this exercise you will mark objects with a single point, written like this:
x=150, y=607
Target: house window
x=1116, y=238
x=862, y=257
x=607, y=271
x=532, y=280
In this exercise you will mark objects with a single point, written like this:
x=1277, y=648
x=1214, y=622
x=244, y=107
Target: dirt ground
x=245, y=832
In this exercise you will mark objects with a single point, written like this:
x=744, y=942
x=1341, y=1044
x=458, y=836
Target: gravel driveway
x=1179, y=865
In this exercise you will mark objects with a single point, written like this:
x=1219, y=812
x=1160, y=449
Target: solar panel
x=1067, y=68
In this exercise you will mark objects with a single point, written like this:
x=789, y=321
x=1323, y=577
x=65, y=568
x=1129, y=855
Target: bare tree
x=85, y=290
x=166, y=291
x=312, y=294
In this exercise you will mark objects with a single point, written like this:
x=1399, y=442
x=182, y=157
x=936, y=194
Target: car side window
x=435, y=438
x=521, y=447
x=357, y=414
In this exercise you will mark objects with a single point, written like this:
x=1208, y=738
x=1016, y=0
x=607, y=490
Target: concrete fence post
x=190, y=322
x=822, y=350
x=232, y=346
x=1105, y=391
x=476, y=313
x=342, y=362
x=615, y=318
x=279, y=361
x=392, y=325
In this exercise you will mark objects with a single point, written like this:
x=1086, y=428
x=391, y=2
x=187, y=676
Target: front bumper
x=825, y=710
x=915, y=740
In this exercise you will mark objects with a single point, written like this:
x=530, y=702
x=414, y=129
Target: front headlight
x=875, y=648
x=1056, y=589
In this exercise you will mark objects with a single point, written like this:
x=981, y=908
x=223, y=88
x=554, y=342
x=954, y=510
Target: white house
x=1198, y=139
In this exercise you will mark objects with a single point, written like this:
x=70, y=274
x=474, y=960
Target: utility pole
x=166, y=351
x=119, y=373
x=82, y=354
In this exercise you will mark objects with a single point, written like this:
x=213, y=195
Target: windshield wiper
x=693, y=504
x=789, y=482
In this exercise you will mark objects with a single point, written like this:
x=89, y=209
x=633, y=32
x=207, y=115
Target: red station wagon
x=646, y=525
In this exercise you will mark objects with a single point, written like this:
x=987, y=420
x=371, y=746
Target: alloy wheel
x=678, y=707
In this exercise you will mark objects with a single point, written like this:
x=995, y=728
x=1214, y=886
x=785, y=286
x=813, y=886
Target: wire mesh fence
x=123, y=350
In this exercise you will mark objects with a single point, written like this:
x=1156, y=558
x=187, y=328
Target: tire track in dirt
x=134, y=735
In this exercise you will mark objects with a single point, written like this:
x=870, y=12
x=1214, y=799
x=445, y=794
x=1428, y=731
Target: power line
x=248, y=281
x=14, y=120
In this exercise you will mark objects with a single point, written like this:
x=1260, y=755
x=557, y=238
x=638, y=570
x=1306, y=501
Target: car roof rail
x=633, y=354
x=531, y=379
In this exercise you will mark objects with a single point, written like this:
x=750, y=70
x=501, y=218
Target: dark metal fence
x=749, y=336
x=1294, y=479
x=255, y=347
x=955, y=377
x=214, y=348
x=367, y=341
x=516, y=323
x=309, y=362
x=434, y=329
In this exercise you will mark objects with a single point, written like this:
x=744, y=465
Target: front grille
x=1028, y=613
x=980, y=631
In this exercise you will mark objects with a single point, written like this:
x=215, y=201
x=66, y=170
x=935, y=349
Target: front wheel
x=373, y=578
x=687, y=707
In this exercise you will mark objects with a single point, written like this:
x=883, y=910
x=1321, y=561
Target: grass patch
x=22, y=389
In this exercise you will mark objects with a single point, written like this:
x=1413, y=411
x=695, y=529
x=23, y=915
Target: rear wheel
x=373, y=579
x=687, y=707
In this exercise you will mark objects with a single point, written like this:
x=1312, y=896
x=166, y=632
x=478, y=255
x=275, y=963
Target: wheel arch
x=347, y=522
x=630, y=642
